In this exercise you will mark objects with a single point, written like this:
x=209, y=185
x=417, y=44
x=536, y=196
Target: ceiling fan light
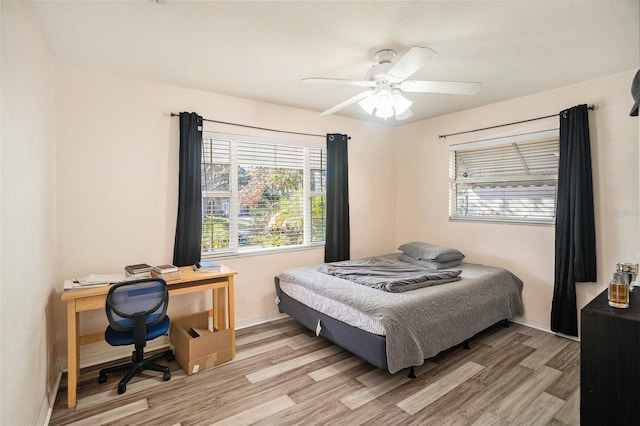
x=383, y=100
x=367, y=104
x=400, y=103
x=384, y=113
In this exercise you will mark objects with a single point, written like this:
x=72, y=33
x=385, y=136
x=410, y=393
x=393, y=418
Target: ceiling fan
x=386, y=80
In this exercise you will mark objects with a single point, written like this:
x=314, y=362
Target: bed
x=394, y=331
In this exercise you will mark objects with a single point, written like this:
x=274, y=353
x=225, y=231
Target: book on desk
x=139, y=270
x=207, y=266
x=166, y=272
x=164, y=269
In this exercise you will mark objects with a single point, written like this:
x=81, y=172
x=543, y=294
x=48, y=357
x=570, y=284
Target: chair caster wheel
x=171, y=357
x=102, y=378
x=122, y=388
x=166, y=376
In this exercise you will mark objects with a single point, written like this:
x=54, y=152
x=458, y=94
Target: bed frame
x=370, y=347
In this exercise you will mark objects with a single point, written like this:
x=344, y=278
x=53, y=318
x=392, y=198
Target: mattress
x=337, y=310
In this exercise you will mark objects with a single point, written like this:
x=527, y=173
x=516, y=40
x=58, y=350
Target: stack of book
x=166, y=272
x=207, y=266
x=141, y=270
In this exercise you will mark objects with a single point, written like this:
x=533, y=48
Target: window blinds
x=512, y=180
x=269, y=155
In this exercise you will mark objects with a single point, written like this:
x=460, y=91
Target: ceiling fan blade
x=362, y=83
x=447, y=87
x=412, y=61
x=346, y=103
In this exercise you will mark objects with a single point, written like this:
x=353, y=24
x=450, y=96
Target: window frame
x=235, y=249
x=527, y=138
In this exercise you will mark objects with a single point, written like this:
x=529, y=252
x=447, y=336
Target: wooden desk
x=220, y=283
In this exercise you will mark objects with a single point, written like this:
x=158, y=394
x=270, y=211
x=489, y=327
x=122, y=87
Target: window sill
x=260, y=252
x=502, y=221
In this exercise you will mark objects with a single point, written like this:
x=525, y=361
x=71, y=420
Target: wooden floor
x=285, y=375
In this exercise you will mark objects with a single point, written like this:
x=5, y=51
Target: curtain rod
x=173, y=114
x=591, y=107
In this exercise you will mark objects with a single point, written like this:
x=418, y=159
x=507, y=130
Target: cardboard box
x=196, y=347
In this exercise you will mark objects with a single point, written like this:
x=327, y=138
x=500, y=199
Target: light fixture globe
x=400, y=103
x=383, y=98
x=385, y=102
x=384, y=113
x=367, y=104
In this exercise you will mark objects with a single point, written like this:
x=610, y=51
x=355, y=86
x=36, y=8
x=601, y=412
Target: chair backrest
x=145, y=298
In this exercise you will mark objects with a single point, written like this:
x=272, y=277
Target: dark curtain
x=186, y=250
x=337, y=241
x=575, y=240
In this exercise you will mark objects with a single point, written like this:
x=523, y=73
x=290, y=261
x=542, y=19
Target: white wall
x=117, y=184
x=28, y=370
x=528, y=251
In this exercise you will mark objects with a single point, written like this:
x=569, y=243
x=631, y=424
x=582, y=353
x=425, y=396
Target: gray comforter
x=386, y=275
x=421, y=323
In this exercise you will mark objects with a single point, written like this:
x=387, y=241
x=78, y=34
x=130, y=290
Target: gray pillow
x=428, y=263
x=426, y=251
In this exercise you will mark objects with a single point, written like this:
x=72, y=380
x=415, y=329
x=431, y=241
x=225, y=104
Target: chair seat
x=121, y=338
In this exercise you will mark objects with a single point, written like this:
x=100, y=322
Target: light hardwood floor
x=284, y=375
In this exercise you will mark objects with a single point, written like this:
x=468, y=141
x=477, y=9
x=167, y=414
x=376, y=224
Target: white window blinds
x=269, y=155
x=507, y=180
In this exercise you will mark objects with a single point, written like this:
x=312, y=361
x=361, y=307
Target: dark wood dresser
x=610, y=362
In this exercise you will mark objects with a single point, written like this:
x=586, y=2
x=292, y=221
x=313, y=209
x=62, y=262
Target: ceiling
x=262, y=50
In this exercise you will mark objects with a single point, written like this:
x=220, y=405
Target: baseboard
x=49, y=400
x=261, y=319
x=541, y=327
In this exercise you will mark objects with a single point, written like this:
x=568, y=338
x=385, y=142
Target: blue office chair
x=137, y=312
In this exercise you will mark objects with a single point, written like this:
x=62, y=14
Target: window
x=511, y=179
x=261, y=194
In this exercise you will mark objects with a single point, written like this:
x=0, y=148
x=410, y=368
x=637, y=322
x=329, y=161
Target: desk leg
x=73, y=356
x=219, y=308
x=232, y=321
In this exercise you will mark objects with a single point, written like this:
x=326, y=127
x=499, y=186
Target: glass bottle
x=618, y=291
